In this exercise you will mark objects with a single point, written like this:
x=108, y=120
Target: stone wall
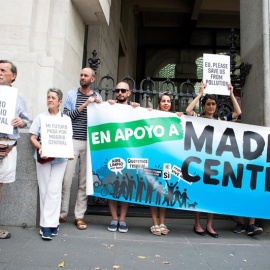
x=105, y=40
x=116, y=43
x=45, y=39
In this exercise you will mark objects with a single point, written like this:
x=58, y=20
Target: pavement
x=96, y=248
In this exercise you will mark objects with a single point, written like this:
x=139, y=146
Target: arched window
x=167, y=71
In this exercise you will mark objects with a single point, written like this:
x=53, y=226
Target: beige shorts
x=8, y=167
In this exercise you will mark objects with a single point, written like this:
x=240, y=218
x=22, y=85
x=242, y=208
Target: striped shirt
x=79, y=119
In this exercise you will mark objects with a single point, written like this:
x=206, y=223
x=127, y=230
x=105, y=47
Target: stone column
x=254, y=17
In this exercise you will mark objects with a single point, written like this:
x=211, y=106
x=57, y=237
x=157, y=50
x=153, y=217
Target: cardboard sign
x=216, y=74
x=8, y=99
x=56, y=134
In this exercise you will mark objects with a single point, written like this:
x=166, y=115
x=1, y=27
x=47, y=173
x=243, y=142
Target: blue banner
x=188, y=163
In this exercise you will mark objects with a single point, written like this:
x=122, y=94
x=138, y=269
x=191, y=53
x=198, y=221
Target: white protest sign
x=216, y=73
x=176, y=171
x=167, y=170
x=56, y=136
x=116, y=165
x=137, y=163
x=8, y=99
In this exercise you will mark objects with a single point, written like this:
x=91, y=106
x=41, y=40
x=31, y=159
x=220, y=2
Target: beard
x=121, y=99
x=84, y=84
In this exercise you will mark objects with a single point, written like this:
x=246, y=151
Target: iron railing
x=147, y=94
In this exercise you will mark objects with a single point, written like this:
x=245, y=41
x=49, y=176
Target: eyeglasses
x=121, y=90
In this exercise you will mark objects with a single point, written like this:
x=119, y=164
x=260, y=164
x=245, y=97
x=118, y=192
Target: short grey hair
x=93, y=73
x=13, y=68
x=57, y=91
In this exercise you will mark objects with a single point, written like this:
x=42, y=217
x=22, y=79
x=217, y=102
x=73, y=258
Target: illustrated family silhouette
x=147, y=189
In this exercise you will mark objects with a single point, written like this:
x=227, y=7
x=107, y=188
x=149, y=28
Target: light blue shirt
x=71, y=98
x=21, y=112
x=35, y=129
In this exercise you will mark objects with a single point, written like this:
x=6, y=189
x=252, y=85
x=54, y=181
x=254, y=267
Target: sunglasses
x=121, y=90
x=167, y=93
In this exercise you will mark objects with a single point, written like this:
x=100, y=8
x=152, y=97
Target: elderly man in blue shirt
x=8, y=74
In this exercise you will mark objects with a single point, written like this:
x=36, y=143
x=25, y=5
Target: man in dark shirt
x=122, y=94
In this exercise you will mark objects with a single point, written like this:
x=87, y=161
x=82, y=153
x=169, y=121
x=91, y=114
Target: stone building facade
x=51, y=40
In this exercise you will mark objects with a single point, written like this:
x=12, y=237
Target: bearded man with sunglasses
x=122, y=93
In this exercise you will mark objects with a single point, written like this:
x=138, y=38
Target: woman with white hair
x=50, y=171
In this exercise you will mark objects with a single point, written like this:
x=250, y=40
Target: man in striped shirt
x=75, y=107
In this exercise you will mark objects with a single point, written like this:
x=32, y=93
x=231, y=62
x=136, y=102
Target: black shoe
x=55, y=230
x=254, y=230
x=199, y=233
x=239, y=228
x=113, y=226
x=215, y=235
x=122, y=226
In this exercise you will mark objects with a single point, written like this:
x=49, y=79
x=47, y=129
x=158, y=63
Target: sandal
x=155, y=230
x=80, y=224
x=62, y=219
x=4, y=234
x=163, y=229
